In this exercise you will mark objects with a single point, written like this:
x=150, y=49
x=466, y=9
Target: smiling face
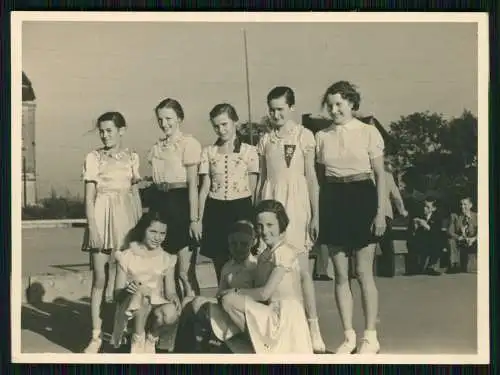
x=224, y=127
x=465, y=206
x=110, y=135
x=279, y=111
x=155, y=234
x=339, y=109
x=168, y=121
x=268, y=228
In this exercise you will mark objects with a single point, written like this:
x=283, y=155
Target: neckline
x=116, y=155
x=172, y=139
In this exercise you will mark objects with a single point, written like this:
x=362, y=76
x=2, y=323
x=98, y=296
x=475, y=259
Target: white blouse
x=169, y=158
x=348, y=149
x=229, y=172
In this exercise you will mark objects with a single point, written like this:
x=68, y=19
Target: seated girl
x=203, y=317
x=272, y=313
x=145, y=287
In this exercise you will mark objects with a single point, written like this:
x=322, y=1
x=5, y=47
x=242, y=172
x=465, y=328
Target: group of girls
x=275, y=187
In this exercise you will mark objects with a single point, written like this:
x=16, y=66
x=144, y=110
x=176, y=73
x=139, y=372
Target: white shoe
x=369, y=346
x=94, y=346
x=137, y=344
x=347, y=347
x=150, y=344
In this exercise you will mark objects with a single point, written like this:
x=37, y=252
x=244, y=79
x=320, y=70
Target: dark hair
x=172, y=104
x=222, y=108
x=116, y=117
x=137, y=233
x=270, y=205
x=431, y=200
x=346, y=90
x=280, y=91
x=243, y=226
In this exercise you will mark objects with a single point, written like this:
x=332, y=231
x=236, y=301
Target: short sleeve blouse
x=348, y=149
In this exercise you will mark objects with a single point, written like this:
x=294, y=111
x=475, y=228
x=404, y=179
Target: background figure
x=387, y=241
x=426, y=239
x=174, y=161
x=462, y=236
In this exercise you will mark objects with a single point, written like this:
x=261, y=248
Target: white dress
x=280, y=326
x=117, y=203
x=286, y=181
x=149, y=269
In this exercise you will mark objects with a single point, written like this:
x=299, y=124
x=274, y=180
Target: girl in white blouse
x=174, y=160
x=352, y=206
x=229, y=170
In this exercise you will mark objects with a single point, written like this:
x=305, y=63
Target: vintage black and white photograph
x=299, y=188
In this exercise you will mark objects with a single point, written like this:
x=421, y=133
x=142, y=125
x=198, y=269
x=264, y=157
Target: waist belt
x=351, y=178
x=167, y=186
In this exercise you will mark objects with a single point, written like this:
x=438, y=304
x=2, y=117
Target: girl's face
x=268, y=228
x=155, y=234
x=168, y=121
x=465, y=206
x=279, y=111
x=110, y=135
x=240, y=245
x=224, y=127
x=339, y=109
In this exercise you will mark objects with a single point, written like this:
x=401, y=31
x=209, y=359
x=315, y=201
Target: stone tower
x=29, y=192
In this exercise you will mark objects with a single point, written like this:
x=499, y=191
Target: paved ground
x=418, y=315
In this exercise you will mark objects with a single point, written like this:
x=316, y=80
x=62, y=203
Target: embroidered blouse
x=229, y=172
x=349, y=148
x=169, y=158
x=111, y=172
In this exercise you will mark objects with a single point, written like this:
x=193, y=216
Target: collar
x=172, y=139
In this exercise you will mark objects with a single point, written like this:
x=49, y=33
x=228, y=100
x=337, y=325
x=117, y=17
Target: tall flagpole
x=248, y=87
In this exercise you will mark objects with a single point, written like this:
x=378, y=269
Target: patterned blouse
x=229, y=172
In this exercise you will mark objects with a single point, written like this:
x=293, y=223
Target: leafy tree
x=252, y=132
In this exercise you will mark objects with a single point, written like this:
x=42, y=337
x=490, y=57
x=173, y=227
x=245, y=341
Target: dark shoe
x=322, y=278
x=432, y=272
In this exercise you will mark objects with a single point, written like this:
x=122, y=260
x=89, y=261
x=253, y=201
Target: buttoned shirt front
x=229, y=172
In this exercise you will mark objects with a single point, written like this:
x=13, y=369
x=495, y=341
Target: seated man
x=462, y=234
x=203, y=323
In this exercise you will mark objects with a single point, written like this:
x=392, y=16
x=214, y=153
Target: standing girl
x=145, y=285
x=174, y=160
x=112, y=209
x=288, y=175
x=272, y=312
x=229, y=171
x=352, y=206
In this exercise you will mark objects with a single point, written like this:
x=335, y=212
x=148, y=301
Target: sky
x=82, y=69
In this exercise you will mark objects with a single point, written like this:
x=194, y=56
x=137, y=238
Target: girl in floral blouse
x=229, y=170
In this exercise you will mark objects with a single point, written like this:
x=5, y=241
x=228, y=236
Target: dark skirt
x=218, y=217
x=347, y=211
x=173, y=205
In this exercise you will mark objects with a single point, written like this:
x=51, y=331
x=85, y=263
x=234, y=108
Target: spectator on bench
x=426, y=239
x=462, y=235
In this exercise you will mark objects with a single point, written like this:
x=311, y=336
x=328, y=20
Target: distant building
x=29, y=191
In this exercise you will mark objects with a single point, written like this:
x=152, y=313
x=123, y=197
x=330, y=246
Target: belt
x=351, y=178
x=167, y=186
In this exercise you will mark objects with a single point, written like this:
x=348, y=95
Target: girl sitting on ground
x=145, y=287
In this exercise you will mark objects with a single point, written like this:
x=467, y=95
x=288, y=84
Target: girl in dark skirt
x=174, y=160
x=229, y=170
x=352, y=215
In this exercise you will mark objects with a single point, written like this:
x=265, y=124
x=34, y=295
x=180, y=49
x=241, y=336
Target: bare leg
x=234, y=305
x=183, y=264
x=110, y=287
x=310, y=302
x=343, y=297
x=139, y=336
x=369, y=295
x=99, y=262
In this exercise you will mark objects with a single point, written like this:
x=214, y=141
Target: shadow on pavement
x=64, y=322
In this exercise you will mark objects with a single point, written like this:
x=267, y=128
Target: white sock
x=350, y=335
x=371, y=335
x=96, y=334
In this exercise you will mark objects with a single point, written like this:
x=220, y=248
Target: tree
x=252, y=132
